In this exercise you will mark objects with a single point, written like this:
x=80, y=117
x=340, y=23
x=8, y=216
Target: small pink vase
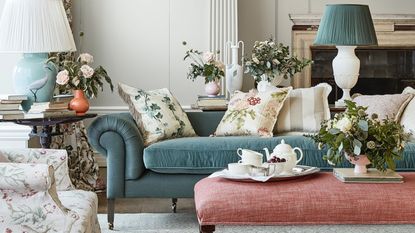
x=212, y=88
x=359, y=162
x=79, y=103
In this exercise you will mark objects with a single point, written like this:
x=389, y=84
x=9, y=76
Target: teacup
x=250, y=157
x=275, y=168
x=239, y=168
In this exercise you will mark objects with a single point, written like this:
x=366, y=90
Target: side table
x=46, y=133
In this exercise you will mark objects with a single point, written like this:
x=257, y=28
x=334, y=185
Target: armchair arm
x=58, y=159
x=117, y=137
x=25, y=178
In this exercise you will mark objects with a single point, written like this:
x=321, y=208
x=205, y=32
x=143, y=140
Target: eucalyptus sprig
x=354, y=133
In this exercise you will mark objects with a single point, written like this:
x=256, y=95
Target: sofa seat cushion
x=204, y=155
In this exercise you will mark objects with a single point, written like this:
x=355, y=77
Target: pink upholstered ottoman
x=318, y=199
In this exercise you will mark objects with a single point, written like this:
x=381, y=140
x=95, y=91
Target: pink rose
x=62, y=78
x=87, y=71
x=86, y=58
x=208, y=57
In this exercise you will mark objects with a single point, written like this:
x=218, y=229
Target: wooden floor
x=143, y=205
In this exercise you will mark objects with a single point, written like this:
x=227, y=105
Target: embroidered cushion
x=252, y=113
x=158, y=114
x=408, y=116
x=304, y=109
x=385, y=106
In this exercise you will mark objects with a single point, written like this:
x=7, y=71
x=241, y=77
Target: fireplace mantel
x=392, y=30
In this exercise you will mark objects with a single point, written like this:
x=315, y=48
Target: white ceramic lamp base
x=346, y=67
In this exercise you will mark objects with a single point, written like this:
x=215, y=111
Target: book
x=9, y=106
x=10, y=112
x=62, y=98
x=373, y=175
x=10, y=101
x=13, y=97
x=64, y=113
x=200, y=97
x=12, y=116
x=48, y=107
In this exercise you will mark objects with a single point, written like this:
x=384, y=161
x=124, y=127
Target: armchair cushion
x=58, y=159
x=25, y=178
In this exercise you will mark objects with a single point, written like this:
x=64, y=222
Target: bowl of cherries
x=275, y=165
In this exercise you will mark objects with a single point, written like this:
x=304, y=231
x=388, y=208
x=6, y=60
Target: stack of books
x=10, y=106
x=49, y=109
x=217, y=102
x=373, y=175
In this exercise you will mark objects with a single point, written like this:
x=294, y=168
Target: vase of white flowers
x=206, y=65
x=271, y=63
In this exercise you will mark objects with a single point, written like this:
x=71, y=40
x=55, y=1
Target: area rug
x=187, y=223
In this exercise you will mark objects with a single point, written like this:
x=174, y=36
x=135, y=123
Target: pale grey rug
x=187, y=223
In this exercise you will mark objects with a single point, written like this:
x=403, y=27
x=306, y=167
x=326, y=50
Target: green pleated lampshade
x=346, y=24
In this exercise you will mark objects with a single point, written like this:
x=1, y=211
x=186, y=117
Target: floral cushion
x=58, y=159
x=252, y=113
x=408, y=116
x=158, y=114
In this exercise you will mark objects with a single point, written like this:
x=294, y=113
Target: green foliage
x=92, y=85
x=204, y=64
x=354, y=132
x=273, y=59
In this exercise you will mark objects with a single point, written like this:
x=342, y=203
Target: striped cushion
x=304, y=109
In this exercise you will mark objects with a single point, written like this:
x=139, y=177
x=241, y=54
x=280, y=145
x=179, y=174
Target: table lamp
x=346, y=26
x=35, y=28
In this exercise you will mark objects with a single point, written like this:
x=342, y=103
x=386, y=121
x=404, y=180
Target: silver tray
x=298, y=171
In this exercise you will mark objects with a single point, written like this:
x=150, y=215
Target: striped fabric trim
x=304, y=109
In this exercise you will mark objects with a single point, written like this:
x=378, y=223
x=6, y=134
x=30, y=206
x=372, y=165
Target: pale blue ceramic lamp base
x=34, y=78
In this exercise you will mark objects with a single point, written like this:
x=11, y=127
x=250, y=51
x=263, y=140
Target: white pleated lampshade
x=35, y=26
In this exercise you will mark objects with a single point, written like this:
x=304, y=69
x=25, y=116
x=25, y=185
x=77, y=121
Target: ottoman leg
x=206, y=228
x=110, y=213
x=173, y=205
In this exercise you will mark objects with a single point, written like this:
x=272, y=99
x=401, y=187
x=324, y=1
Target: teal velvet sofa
x=170, y=168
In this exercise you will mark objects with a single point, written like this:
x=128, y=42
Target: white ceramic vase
x=264, y=85
x=360, y=162
x=212, y=88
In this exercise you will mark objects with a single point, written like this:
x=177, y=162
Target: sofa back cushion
x=205, y=123
x=408, y=116
x=385, y=106
x=158, y=114
x=304, y=109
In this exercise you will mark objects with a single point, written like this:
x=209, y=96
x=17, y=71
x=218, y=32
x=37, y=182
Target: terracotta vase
x=360, y=162
x=212, y=88
x=79, y=103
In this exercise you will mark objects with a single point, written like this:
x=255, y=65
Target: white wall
x=139, y=42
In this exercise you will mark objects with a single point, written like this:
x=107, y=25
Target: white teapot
x=288, y=153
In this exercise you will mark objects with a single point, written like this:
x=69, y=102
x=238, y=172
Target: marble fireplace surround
x=392, y=30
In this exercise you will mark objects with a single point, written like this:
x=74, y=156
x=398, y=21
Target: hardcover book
x=373, y=175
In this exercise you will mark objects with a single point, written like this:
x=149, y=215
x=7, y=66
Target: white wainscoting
x=13, y=135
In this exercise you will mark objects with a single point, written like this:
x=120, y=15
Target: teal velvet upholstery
x=171, y=168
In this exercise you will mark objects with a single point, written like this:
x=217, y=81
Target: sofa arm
x=117, y=137
x=26, y=178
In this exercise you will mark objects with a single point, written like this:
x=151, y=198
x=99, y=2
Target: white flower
x=220, y=65
x=275, y=61
x=344, y=125
x=62, y=78
x=320, y=146
x=86, y=57
x=208, y=57
x=87, y=71
x=255, y=59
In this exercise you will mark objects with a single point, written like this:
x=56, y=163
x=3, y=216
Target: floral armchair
x=36, y=194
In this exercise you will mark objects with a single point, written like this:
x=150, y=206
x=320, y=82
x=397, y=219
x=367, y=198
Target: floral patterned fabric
x=158, y=114
x=58, y=159
x=83, y=168
x=252, y=113
x=29, y=201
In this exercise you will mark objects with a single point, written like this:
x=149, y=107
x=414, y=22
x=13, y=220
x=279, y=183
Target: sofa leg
x=110, y=213
x=174, y=205
x=206, y=228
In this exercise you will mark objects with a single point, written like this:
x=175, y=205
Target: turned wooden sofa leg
x=174, y=205
x=206, y=228
x=110, y=213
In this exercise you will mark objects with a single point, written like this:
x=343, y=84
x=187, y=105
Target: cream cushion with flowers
x=252, y=113
x=157, y=113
